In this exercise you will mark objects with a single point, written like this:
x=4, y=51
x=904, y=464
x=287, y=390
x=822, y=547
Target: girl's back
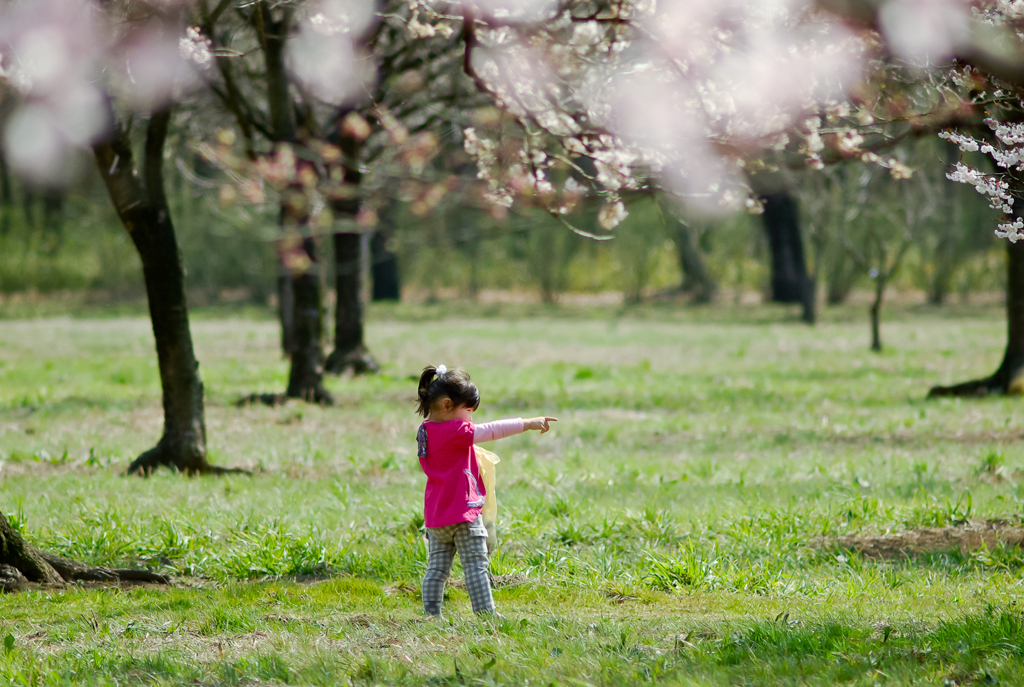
x=454, y=492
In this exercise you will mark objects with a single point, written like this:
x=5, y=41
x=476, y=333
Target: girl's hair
x=454, y=384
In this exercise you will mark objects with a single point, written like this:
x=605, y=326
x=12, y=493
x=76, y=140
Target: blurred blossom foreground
x=701, y=99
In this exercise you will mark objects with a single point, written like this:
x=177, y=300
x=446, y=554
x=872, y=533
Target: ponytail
x=423, y=391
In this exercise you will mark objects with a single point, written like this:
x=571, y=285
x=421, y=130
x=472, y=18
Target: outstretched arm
x=499, y=429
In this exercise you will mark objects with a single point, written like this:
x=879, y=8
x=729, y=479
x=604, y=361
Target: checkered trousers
x=470, y=540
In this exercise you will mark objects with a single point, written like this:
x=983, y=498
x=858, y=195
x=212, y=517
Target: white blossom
x=850, y=141
x=1010, y=134
x=195, y=47
x=987, y=185
x=1011, y=9
x=543, y=186
x=966, y=143
x=1014, y=231
x=573, y=187
x=611, y=214
x=417, y=29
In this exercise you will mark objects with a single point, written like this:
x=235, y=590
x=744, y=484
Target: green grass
x=669, y=529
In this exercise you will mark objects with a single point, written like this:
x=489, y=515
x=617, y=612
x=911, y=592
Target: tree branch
x=986, y=51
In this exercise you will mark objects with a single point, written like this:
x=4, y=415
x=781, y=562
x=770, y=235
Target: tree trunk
x=384, y=268
x=286, y=307
x=348, y=325
x=696, y=279
x=142, y=208
x=302, y=318
x=876, y=315
x=819, y=246
x=350, y=351
x=1009, y=376
x=21, y=563
x=306, y=377
x=301, y=301
x=810, y=313
x=789, y=270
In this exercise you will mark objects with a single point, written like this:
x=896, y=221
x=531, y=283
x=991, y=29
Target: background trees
x=339, y=115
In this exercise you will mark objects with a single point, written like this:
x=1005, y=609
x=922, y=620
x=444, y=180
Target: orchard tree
x=890, y=219
x=68, y=75
x=80, y=76
x=976, y=47
x=692, y=95
x=337, y=104
x=606, y=99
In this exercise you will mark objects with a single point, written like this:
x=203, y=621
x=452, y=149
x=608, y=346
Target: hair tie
x=441, y=369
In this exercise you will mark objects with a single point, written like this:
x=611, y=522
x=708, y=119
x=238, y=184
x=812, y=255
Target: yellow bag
x=487, y=463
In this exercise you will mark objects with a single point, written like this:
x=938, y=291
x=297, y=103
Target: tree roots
x=317, y=394
x=263, y=399
x=975, y=387
x=181, y=455
x=22, y=564
x=1008, y=379
x=358, y=361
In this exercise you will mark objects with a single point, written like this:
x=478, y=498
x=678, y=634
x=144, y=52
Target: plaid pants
x=470, y=539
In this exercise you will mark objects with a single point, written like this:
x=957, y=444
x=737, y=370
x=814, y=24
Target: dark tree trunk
x=142, y=208
x=348, y=325
x=810, y=312
x=21, y=563
x=384, y=268
x=1009, y=376
x=350, y=351
x=302, y=332
x=306, y=378
x=300, y=297
x=286, y=308
x=876, y=316
x=696, y=279
x=348, y=260
x=789, y=270
x=818, y=246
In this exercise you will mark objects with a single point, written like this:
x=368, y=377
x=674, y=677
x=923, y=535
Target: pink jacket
x=455, y=493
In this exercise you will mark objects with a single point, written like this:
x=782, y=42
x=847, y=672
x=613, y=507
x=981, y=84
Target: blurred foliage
x=70, y=240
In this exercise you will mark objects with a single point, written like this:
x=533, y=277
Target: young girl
x=454, y=495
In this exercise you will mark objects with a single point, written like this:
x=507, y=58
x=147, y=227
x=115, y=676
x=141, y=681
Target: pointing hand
x=540, y=423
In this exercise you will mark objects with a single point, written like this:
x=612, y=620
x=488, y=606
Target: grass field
x=678, y=526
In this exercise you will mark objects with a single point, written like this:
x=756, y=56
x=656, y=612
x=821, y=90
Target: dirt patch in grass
x=964, y=539
x=497, y=581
